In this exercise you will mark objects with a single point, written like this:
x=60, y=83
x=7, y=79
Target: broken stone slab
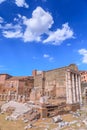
x=2, y=112
x=29, y=126
x=17, y=109
x=76, y=114
x=85, y=121
x=10, y=118
x=57, y=119
x=7, y=118
x=25, y=121
x=63, y=124
x=78, y=124
x=73, y=122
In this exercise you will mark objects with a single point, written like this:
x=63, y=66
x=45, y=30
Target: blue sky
x=42, y=35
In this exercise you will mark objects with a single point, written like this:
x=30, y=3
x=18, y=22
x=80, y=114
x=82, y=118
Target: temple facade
x=63, y=84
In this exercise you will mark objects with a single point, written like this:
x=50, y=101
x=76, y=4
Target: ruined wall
x=11, y=86
x=17, y=85
x=3, y=77
x=83, y=76
x=51, y=83
x=62, y=83
x=38, y=80
x=56, y=80
x=21, y=87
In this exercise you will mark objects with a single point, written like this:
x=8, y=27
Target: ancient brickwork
x=83, y=76
x=55, y=79
x=62, y=83
x=13, y=87
x=3, y=77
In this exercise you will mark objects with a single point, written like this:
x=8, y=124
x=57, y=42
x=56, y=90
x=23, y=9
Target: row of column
x=73, y=88
x=6, y=97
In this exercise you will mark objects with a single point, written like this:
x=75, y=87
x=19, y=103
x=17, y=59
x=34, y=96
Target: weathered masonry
x=57, y=86
x=15, y=88
x=62, y=84
x=73, y=87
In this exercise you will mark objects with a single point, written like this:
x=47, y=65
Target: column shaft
x=68, y=89
x=77, y=88
x=80, y=95
x=73, y=88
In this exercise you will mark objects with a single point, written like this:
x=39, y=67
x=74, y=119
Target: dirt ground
x=41, y=124
x=45, y=124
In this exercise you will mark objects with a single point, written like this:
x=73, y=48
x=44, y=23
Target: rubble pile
x=20, y=109
x=57, y=119
x=29, y=113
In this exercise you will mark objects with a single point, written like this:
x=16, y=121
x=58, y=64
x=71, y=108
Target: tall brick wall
x=16, y=85
x=38, y=80
x=51, y=83
x=56, y=79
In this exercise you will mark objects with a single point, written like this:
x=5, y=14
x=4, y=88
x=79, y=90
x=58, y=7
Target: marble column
x=73, y=88
x=80, y=95
x=77, y=88
x=68, y=89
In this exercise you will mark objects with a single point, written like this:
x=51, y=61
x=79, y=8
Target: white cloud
x=83, y=52
x=10, y=26
x=60, y=35
x=47, y=56
x=12, y=31
x=34, y=28
x=39, y=24
x=1, y=20
x=12, y=34
x=1, y=1
x=21, y=3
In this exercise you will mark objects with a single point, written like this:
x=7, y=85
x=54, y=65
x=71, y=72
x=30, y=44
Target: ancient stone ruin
x=55, y=91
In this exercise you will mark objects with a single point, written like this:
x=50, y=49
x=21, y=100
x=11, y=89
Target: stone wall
x=20, y=86
x=62, y=83
x=3, y=77
x=55, y=79
x=83, y=76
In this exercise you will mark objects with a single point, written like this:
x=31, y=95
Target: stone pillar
x=43, y=112
x=80, y=95
x=68, y=89
x=77, y=88
x=73, y=88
